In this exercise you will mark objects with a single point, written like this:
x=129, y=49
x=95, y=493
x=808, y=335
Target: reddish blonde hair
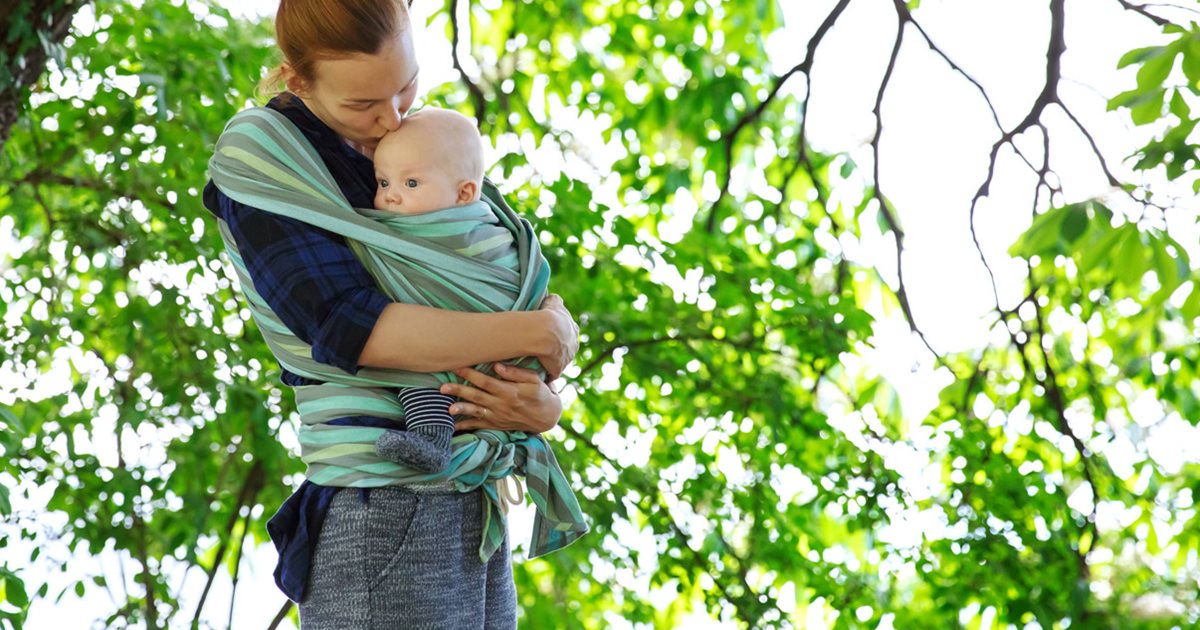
x=308, y=31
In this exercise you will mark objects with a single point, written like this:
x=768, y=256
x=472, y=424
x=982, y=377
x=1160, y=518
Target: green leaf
x=1179, y=107
x=14, y=591
x=1043, y=236
x=1191, y=62
x=1130, y=257
x=1101, y=250
x=1140, y=55
x=1150, y=109
x=14, y=423
x=1075, y=223
x=1191, y=306
x=1130, y=98
x=1153, y=73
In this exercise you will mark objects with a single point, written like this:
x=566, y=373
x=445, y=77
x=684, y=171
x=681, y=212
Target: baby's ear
x=468, y=191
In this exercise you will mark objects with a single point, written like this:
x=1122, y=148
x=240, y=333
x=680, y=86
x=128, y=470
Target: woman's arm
x=424, y=339
x=320, y=290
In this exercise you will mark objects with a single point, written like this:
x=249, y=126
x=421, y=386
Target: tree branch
x=1047, y=96
x=250, y=488
x=237, y=562
x=477, y=96
x=25, y=55
x=139, y=527
x=1141, y=9
x=902, y=18
x=604, y=354
x=750, y=117
x=281, y=615
x=1112, y=180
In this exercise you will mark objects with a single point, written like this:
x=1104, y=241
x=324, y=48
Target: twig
x=237, y=563
x=249, y=490
x=476, y=93
x=1047, y=96
x=954, y=66
x=750, y=117
x=139, y=527
x=39, y=176
x=1141, y=10
x=279, y=616
x=750, y=593
x=604, y=354
x=1112, y=181
x=902, y=17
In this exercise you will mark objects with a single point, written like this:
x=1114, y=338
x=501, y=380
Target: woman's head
x=351, y=61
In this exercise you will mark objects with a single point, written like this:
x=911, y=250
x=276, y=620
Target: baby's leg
x=425, y=444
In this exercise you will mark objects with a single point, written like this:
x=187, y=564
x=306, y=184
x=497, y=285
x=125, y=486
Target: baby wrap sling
x=459, y=259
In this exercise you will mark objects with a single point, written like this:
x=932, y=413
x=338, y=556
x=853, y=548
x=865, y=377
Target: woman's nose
x=391, y=118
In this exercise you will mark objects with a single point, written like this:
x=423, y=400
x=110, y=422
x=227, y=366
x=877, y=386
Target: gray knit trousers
x=408, y=558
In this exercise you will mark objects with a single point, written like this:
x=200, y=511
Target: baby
x=434, y=161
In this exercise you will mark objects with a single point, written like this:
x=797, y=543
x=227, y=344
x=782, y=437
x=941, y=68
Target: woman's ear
x=295, y=84
x=468, y=191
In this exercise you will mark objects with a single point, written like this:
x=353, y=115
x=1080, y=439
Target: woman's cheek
x=359, y=123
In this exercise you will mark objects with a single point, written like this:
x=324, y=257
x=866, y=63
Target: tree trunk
x=30, y=30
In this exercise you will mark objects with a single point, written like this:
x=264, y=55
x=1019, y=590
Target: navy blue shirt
x=320, y=290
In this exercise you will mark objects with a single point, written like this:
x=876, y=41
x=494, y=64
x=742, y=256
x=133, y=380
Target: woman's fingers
x=472, y=421
x=467, y=394
x=566, y=331
x=470, y=417
x=517, y=374
x=480, y=380
x=516, y=401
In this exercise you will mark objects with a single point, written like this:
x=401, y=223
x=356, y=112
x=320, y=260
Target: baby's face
x=409, y=179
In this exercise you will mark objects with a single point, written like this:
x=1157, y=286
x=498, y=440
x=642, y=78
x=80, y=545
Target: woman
x=396, y=556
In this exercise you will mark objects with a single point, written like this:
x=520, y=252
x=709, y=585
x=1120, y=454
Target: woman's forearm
x=424, y=339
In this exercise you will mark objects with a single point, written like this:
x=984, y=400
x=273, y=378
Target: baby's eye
x=383, y=183
x=411, y=183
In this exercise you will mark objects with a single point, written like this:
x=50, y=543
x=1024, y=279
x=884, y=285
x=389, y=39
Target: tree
x=35, y=31
x=728, y=447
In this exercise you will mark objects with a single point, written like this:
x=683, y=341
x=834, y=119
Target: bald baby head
x=433, y=161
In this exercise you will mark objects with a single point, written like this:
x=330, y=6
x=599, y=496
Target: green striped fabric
x=480, y=257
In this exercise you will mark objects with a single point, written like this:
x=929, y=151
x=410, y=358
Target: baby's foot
x=425, y=448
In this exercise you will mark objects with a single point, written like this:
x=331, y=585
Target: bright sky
x=937, y=134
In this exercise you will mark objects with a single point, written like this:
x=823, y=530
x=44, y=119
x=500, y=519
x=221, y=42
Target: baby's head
x=433, y=161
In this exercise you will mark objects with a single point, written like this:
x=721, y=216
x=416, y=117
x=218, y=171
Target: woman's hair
x=308, y=31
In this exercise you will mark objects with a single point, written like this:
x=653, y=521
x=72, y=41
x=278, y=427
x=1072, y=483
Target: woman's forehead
x=363, y=77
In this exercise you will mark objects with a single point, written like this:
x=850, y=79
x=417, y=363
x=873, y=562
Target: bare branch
x=902, y=18
x=250, y=488
x=954, y=66
x=1112, y=181
x=476, y=93
x=730, y=138
x=281, y=615
x=1143, y=11
x=1047, y=96
x=237, y=564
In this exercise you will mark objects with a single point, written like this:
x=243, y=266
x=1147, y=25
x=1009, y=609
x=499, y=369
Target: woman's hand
x=566, y=335
x=517, y=401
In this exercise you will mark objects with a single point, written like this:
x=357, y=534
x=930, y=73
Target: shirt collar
x=317, y=132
